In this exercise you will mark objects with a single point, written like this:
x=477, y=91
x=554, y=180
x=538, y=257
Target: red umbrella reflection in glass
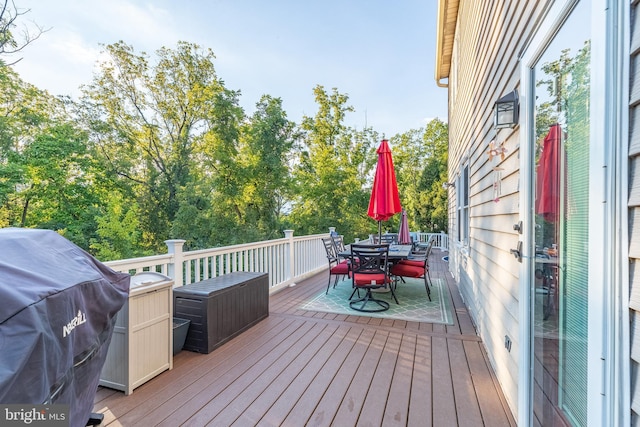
x=403, y=233
x=384, y=201
x=548, y=176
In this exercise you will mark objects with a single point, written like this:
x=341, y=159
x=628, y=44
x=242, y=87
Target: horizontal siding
x=634, y=134
x=634, y=212
x=490, y=37
x=634, y=97
x=634, y=277
x=635, y=337
x=634, y=185
x=635, y=359
x=634, y=237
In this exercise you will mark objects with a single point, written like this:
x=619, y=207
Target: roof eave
x=445, y=34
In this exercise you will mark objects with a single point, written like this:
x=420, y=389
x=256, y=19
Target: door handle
x=517, y=252
x=518, y=227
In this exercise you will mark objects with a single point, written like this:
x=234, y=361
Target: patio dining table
x=396, y=252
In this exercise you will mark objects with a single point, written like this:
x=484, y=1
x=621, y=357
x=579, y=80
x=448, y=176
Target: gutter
x=445, y=35
x=439, y=40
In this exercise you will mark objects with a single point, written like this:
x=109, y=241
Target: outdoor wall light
x=446, y=185
x=506, y=111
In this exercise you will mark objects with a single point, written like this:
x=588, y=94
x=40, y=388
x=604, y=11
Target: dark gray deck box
x=221, y=308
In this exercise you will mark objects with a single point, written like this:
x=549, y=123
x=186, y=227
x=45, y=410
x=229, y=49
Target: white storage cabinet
x=142, y=341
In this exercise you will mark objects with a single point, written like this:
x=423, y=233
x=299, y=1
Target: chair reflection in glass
x=369, y=271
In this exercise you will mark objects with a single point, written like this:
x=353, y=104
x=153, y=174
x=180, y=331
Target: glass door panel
x=561, y=216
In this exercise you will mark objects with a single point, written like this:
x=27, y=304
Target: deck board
x=420, y=404
x=271, y=387
x=223, y=410
x=466, y=402
x=210, y=388
x=328, y=406
x=379, y=390
x=487, y=391
x=351, y=405
x=444, y=409
x=308, y=400
x=397, y=405
x=298, y=367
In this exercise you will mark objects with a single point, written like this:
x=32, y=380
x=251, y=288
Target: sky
x=380, y=53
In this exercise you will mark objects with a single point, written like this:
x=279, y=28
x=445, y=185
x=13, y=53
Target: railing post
x=174, y=270
x=288, y=234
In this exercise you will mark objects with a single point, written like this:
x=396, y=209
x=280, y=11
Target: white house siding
x=634, y=211
x=490, y=35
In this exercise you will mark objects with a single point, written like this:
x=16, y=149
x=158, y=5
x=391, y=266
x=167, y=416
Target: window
x=462, y=185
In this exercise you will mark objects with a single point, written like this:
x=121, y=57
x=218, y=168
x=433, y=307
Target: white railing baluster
x=287, y=260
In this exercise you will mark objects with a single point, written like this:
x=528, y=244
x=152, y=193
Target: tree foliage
x=420, y=159
x=14, y=36
x=158, y=148
x=45, y=169
x=331, y=170
x=147, y=122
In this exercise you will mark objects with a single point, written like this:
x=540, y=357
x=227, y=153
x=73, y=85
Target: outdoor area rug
x=412, y=296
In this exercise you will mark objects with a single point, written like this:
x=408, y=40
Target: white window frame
x=462, y=205
x=608, y=395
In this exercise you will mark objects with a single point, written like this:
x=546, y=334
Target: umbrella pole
x=379, y=231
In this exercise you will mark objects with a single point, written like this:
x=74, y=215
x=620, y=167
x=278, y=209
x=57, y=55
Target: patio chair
x=416, y=268
x=418, y=254
x=337, y=268
x=369, y=271
x=389, y=238
x=338, y=244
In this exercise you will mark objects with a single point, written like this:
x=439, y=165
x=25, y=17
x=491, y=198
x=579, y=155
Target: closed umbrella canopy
x=404, y=238
x=384, y=201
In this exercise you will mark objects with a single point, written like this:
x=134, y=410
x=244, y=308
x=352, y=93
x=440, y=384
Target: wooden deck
x=306, y=368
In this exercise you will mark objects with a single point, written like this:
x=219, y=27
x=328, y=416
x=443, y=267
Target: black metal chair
x=369, y=271
x=337, y=268
x=389, y=239
x=338, y=244
x=419, y=253
x=417, y=267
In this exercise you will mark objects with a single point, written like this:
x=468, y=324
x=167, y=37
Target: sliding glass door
x=560, y=165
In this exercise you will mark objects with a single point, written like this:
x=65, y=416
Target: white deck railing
x=287, y=260
x=441, y=240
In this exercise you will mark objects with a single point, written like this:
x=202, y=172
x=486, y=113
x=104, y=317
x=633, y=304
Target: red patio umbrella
x=403, y=233
x=384, y=202
x=548, y=176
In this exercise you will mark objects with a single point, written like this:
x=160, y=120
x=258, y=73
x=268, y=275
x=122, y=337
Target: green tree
x=57, y=191
x=420, y=159
x=221, y=184
x=48, y=177
x=332, y=171
x=118, y=234
x=268, y=140
x=240, y=193
x=147, y=121
x=14, y=38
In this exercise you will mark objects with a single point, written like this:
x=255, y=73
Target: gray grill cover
x=57, y=314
